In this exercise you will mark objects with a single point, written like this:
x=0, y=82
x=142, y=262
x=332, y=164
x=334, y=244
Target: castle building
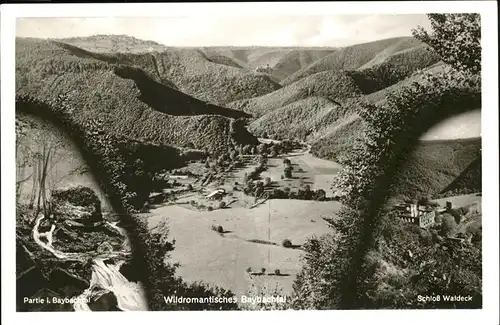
x=423, y=216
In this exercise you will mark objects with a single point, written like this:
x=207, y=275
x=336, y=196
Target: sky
x=466, y=125
x=268, y=30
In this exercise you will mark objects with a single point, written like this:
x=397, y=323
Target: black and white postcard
x=250, y=157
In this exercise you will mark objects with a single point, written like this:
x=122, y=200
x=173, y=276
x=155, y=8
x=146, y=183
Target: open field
x=222, y=259
x=459, y=200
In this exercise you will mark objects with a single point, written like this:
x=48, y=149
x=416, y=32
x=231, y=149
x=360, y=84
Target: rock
x=28, y=283
x=79, y=195
x=79, y=203
x=104, y=248
x=24, y=258
x=71, y=223
x=45, y=225
x=106, y=302
x=130, y=272
x=111, y=217
x=70, y=291
x=111, y=231
x=65, y=235
x=60, y=279
x=81, y=214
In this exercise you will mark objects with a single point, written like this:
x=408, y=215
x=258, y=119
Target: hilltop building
x=423, y=216
x=266, y=69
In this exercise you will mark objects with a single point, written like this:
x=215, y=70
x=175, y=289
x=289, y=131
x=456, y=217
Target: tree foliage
x=456, y=38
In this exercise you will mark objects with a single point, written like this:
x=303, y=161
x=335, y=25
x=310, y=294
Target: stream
x=105, y=277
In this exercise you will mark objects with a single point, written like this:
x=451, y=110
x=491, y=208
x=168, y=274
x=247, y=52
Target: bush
x=220, y=229
x=210, y=208
x=457, y=215
x=222, y=205
x=449, y=226
x=287, y=243
x=320, y=195
x=189, y=187
x=263, y=270
x=277, y=272
x=213, y=227
x=249, y=269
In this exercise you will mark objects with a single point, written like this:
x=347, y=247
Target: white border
x=488, y=10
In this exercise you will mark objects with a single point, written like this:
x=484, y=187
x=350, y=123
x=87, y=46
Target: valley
x=253, y=228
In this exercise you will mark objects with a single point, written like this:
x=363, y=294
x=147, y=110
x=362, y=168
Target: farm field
x=223, y=259
x=459, y=200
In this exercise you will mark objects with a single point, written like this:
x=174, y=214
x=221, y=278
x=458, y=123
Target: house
x=216, y=195
x=474, y=208
x=171, y=183
x=178, y=177
x=156, y=198
x=423, y=216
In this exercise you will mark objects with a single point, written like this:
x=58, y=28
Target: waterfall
x=108, y=277
x=105, y=277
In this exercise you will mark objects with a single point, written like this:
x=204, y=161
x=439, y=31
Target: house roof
x=216, y=192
